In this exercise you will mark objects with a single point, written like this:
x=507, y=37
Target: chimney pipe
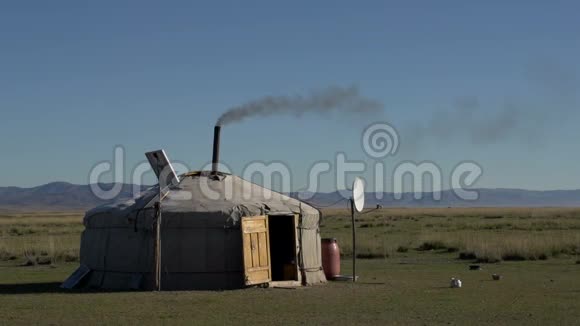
x=216, y=149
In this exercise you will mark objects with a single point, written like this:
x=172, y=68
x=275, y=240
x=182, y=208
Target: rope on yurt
x=140, y=255
x=318, y=207
x=137, y=217
x=105, y=258
x=327, y=206
x=141, y=236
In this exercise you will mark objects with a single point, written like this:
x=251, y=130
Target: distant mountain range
x=58, y=196
x=67, y=196
x=448, y=198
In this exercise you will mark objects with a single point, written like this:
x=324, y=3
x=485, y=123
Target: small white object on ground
x=455, y=282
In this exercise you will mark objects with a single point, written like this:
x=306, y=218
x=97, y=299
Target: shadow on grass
x=43, y=288
x=26, y=288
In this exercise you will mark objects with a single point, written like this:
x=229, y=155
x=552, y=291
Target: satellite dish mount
x=357, y=203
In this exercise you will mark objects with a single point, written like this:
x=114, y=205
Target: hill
x=57, y=196
x=67, y=196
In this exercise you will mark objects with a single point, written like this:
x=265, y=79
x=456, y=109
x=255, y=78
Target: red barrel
x=330, y=258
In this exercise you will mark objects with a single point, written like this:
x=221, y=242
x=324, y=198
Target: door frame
x=297, y=281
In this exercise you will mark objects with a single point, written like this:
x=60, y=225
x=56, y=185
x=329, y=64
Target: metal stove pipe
x=216, y=149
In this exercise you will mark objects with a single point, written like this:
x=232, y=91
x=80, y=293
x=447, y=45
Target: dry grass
x=493, y=247
x=484, y=212
x=40, y=238
x=483, y=234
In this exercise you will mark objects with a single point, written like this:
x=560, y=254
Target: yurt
x=210, y=231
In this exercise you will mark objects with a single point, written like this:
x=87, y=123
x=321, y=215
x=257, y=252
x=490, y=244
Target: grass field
x=45, y=237
x=409, y=257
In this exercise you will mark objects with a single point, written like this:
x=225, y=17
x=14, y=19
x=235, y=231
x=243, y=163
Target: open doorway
x=283, y=260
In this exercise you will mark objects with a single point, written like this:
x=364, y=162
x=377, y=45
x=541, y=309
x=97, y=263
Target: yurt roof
x=204, y=192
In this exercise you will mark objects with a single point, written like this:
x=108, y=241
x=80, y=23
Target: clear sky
x=78, y=78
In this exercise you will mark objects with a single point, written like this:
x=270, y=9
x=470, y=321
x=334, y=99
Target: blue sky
x=76, y=79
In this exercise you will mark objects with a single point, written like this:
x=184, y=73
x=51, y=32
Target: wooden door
x=256, y=243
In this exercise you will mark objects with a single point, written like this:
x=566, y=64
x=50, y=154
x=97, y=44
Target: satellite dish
x=358, y=194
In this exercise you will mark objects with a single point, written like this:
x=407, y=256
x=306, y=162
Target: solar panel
x=162, y=168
